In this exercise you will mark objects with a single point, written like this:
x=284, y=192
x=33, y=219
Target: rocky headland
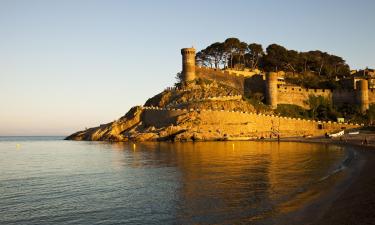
x=210, y=104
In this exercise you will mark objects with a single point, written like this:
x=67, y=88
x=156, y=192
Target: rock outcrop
x=112, y=131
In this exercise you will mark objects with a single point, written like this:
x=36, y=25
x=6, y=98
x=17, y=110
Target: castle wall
x=233, y=80
x=340, y=97
x=371, y=96
x=245, y=73
x=160, y=117
x=296, y=95
x=233, y=123
x=255, y=84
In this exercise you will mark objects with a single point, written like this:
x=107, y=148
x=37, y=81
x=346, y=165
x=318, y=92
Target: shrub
x=292, y=111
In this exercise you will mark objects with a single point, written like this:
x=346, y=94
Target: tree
x=371, y=114
x=241, y=51
x=231, y=46
x=314, y=102
x=212, y=56
x=178, y=78
x=310, y=69
x=255, y=53
x=275, y=58
x=320, y=108
x=216, y=52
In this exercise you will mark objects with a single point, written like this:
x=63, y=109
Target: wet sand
x=355, y=203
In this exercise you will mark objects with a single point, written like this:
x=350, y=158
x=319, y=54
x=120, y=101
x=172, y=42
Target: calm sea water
x=45, y=180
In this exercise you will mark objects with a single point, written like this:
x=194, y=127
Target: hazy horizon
x=67, y=65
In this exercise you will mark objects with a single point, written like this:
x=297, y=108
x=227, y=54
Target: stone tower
x=271, y=89
x=362, y=95
x=188, y=64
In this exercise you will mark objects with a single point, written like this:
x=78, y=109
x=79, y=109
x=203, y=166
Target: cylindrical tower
x=271, y=89
x=188, y=64
x=362, y=95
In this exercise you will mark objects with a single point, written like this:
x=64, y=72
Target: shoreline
x=351, y=200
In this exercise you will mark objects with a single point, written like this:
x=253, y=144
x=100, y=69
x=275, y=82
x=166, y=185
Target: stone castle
x=212, y=108
x=275, y=91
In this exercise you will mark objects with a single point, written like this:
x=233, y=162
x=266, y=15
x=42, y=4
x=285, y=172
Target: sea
x=48, y=180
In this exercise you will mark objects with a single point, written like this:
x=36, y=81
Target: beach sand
x=356, y=205
x=355, y=202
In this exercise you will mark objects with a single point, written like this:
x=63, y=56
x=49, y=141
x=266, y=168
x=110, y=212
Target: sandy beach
x=354, y=204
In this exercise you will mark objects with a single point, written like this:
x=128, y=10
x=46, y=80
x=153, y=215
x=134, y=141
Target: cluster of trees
x=230, y=53
x=233, y=53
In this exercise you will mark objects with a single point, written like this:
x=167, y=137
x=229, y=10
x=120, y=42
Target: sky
x=67, y=65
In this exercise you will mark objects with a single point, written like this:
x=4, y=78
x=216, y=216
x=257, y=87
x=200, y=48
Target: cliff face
x=111, y=131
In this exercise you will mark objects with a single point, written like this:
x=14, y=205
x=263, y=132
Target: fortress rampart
x=238, y=123
x=341, y=97
x=296, y=95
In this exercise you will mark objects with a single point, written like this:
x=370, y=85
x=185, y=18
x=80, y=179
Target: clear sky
x=70, y=64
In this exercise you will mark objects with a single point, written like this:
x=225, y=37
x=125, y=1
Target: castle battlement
x=302, y=89
x=239, y=123
x=222, y=72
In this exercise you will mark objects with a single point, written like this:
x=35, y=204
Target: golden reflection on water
x=161, y=183
x=236, y=181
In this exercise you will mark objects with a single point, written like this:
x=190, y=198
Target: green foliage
x=371, y=114
x=230, y=53
x=254, y=54
x=353, y=114
x=314, y=68
x=311, y=80
x=201, y=81
x=292, y=111
x=367, y=118
x=348, y=110
x=179, y=79
x=321, y=108
x=256, y=100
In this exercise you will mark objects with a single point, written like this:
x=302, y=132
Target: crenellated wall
x=296, y=95
x=237, y=123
